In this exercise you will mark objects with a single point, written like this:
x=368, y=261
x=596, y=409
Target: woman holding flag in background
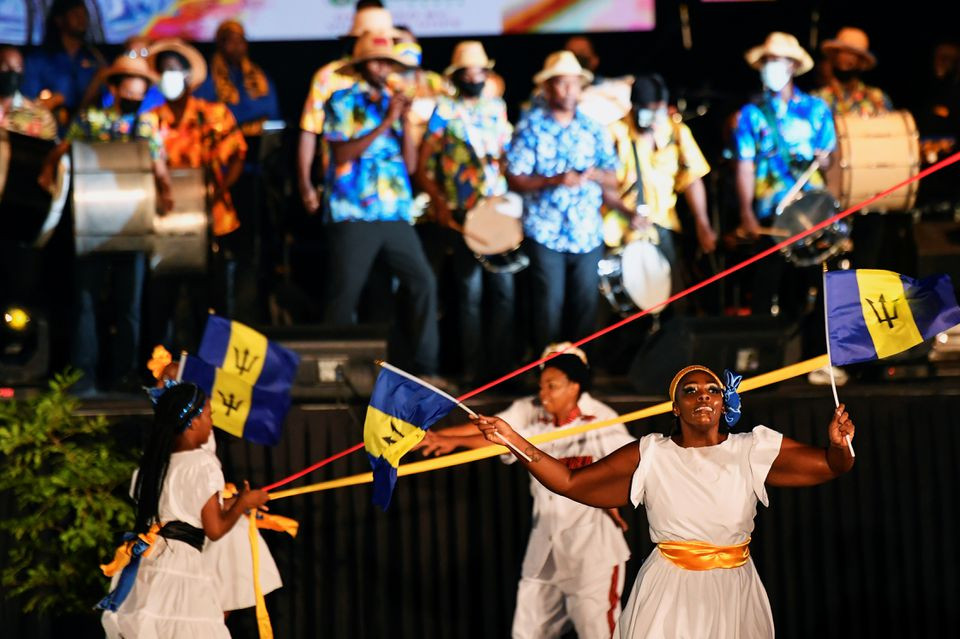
x=700, y=487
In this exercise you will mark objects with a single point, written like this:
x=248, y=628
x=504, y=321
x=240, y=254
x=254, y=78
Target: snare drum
x=804, y=212
x=494, y=232
x=636, y=276
x=28, y=212
x=180, y=236
x=873, y=154
x=607, y=101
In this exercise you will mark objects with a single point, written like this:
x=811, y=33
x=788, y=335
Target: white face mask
x=173, y=84
x=776, y=74
x=652, y=118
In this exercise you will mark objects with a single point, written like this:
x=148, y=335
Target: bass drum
x=29, y=213
x=803, y=213
x=635, y=277
x=493, y=231
x=873, y=154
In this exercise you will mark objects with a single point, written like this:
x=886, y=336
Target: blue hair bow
x=731, y=398
x=155, y=392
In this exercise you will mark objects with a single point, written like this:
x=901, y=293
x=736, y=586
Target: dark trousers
x=166, y=296
x=352, y=249
x=122, y=274
x=486, y=338
x=565, y=290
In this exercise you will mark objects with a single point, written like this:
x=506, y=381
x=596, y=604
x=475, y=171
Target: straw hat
x=372, y=20
x=562, y=63
x=198, y=66
x=780, y=45
x=467, y=54
x=131, y=64
x=373, y=46
x=854, y=41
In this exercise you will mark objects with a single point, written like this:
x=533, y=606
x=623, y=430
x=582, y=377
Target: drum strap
x=638, y=186
x=771, y=119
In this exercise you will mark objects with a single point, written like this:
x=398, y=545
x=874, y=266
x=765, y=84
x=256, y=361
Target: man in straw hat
x=369, y=197
x=561, y=161
x=573, y=569
x=128, y=79
x=197, y=135
x=370, y=17
x=776, y=138
x=461, y=162
x=849, y=57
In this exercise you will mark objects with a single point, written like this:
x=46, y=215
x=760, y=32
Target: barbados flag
x=872, y=314
x=255, y=413
x=238, y=349
x=401, y=409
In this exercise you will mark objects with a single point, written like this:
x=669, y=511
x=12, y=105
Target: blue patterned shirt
x=806, y=128
x=564, y=219
x=376, y=186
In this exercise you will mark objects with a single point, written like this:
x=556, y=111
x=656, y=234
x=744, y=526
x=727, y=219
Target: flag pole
x=833, y=379
x=464, y=407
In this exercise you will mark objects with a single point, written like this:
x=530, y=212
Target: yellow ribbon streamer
x=468, y=456
x=267, y=521
x=263, y=616
x=699, y=555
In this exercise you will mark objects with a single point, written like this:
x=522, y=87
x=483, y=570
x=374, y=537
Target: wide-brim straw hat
x=780, y=45
x=198, y=66
x=373, y=46
x=372, y=20
x=562, y=63
x=466, y=55
x=853, y=41
x=131, y=64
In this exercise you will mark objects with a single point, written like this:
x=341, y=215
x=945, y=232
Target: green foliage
x=63, y=481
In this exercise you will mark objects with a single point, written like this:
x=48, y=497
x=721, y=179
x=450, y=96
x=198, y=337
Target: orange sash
x=698, y=555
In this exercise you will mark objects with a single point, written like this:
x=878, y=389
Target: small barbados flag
x=402, y=407
x=872, y=314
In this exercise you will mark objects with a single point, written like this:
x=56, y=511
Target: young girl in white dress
x=700, y=487
x=169, y=591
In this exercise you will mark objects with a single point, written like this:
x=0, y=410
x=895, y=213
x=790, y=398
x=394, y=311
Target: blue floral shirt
x=806, y=128
x=376, y=186
x=564, y=219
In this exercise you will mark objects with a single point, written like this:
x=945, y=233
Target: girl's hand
x=840, y=427
x=490, y=426
x=251, y=499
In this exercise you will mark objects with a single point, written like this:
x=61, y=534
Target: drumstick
x=799, y=184
x=765, y=231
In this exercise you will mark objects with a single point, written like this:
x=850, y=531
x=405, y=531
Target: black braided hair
x=174, y=411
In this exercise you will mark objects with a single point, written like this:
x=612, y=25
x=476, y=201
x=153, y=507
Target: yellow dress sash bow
x=698, y=555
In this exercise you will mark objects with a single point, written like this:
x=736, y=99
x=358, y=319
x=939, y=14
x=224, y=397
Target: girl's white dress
x=230, y=561
x=174, y=595
x=710, y=495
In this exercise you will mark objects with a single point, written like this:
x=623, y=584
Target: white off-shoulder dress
x=710, y=495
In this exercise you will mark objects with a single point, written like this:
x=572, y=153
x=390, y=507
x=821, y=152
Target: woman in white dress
x=700, y=487
x=168, y=592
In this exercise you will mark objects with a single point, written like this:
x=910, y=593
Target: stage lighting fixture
x=24, y=346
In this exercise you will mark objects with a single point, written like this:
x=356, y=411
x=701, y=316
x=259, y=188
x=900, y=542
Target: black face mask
x=129, y=107
x=846, y=75
x=470, y=89
x=9, y=83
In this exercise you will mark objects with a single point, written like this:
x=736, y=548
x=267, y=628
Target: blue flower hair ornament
x=731, y=398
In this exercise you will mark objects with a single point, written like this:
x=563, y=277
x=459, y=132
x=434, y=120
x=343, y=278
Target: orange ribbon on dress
x=124, y=553
x=698, y=555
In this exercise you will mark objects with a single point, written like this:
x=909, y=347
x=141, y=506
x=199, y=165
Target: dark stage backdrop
x=873, y=554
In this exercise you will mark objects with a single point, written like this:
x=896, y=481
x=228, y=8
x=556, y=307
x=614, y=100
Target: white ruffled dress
x=709, y=495
x=174, y=595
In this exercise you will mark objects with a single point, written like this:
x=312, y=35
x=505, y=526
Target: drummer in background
x=461, y=162
x=582, y=47
x=58, y=73
x=562, y=161
x=370, y=199
x=196, y=135
x=776, y=138
x=850, y=57
x=98, y=91
x=670, y=163
x=371, y=17
x=128, y=79
x=18, y=113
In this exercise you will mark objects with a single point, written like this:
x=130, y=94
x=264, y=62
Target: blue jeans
x=486, y=338
x=565, y=291
x=124, y=273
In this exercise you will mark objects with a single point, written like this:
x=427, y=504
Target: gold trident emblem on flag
x=887, y=317
x=245, y=361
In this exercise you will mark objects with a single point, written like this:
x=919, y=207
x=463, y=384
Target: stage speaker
x=747, y=345
x=336, y=363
